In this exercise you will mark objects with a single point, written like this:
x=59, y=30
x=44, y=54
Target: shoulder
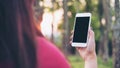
x=49, y=55
x=46, y=45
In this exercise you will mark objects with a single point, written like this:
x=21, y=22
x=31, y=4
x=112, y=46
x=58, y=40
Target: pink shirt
x=49, y=56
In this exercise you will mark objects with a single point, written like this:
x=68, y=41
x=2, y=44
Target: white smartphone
x=81, y=26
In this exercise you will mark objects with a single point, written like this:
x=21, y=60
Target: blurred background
x=57, y=24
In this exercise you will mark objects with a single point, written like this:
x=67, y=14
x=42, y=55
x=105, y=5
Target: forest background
x=58, y=20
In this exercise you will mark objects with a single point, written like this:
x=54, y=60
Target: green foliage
x=77, y=62
x=89, y=6
x=96, y=26
x=101, y=64
x=75, y=6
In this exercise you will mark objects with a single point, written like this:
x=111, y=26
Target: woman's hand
x=88, y=53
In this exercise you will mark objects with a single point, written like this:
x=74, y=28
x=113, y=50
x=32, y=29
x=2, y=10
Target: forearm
x=91, y=62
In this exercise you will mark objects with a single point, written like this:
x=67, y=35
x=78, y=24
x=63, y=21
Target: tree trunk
x=105, y=30
x=107, y=13
x=66, y=31
x=100, y=12
x=52, y=25
x=116, y=35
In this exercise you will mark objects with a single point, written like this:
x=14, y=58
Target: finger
x=71, y=35
x=90, y=36
x=70, y=42
x=92, y=39
x=88, y=33
x=80, y=48
x=77, y=48
x=91, y=33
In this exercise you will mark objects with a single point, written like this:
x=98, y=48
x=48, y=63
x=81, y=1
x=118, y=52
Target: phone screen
x=81, y=29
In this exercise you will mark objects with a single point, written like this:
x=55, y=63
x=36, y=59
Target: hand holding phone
x=81, y=26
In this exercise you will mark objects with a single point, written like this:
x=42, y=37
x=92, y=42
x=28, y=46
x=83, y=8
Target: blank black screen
x=81, y=29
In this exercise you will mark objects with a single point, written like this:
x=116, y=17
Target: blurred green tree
x=78, y=6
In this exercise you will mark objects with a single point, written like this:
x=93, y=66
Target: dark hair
x=17, y=33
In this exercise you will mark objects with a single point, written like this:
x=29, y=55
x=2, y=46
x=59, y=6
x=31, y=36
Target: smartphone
x=81, y=26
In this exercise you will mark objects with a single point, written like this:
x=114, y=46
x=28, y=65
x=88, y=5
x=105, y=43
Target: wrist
x=91, y=61
x=91, y=57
